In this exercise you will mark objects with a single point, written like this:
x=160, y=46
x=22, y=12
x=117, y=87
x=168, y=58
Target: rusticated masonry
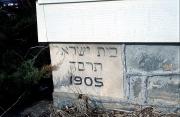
x=153, y=75
x=144, y=74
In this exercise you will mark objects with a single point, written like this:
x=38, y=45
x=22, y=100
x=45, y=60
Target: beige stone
x=93, y=69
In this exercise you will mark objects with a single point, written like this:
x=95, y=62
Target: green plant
x=29, y=72
x=20, y=74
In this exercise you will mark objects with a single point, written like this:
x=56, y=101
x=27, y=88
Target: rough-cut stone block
x=94, y=69
x=62, y=100
x=150, y=59
x=137, y=89
x=163, y=90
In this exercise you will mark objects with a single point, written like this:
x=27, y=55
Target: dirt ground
x=46, y=109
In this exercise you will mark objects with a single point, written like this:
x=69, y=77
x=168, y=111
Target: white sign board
x=108, y=21
x=93, y=69
x=65, y=1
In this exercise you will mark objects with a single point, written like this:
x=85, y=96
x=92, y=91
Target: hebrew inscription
x=82, y=66
x=94, y=69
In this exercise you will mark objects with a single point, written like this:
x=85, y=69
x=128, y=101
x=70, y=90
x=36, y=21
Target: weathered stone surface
x=148, y=59
x=71, y=99
x=137, y=89
x=151, y=75
x=63, y=100
x=155, y=90
x=164, y=90
x=94, y=69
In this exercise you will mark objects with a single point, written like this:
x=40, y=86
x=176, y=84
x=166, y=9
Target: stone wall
x=143, y=74
x=153, y=74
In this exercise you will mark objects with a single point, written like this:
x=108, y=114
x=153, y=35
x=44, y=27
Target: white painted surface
x=114, y=21
x=97, y=62
x=42, y=33
x=62, y=1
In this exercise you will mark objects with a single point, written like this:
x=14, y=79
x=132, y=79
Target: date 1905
x=88, y=81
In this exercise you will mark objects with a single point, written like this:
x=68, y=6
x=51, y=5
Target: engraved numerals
x=88, y=81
